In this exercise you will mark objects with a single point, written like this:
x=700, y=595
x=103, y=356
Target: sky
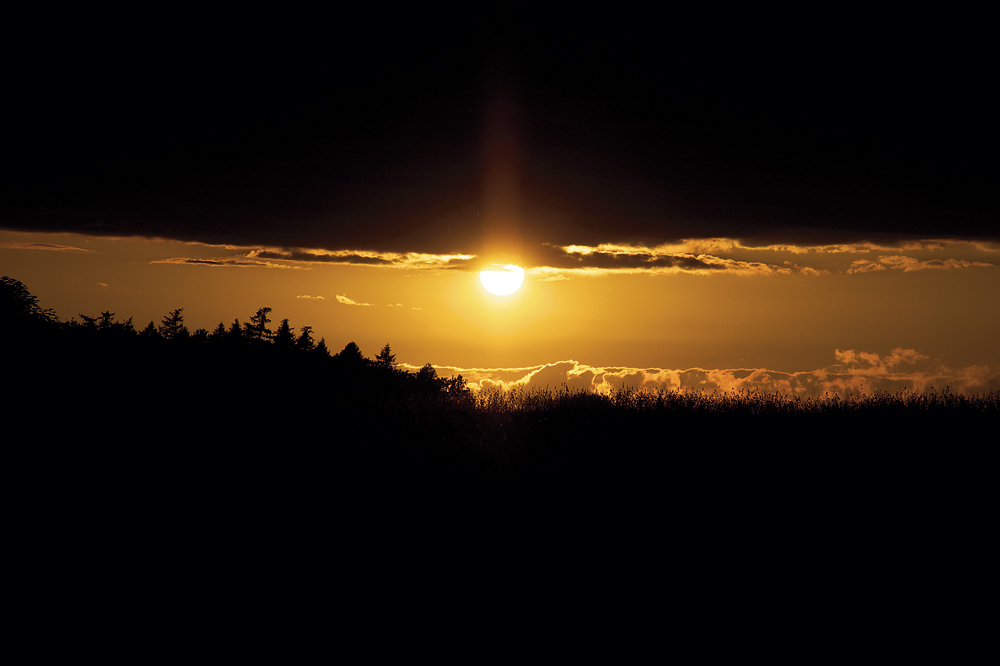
x=695, y=204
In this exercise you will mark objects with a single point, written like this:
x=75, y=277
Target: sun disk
x=504, y=281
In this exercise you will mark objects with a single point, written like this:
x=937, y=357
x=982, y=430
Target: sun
x=502, y=280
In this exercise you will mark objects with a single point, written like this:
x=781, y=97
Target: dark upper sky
x=373, y=132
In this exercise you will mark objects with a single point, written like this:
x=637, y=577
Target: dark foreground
x=215, y=471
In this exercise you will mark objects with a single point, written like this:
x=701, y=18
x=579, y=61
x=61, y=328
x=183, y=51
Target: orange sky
x=847, y=310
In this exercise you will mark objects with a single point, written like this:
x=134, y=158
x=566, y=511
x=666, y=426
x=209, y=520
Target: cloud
x=705, y=256
x=347, y=301
x=303, y=159
x=221, y=263
x=865, y=266
x=367, y=258
x=709, y=256
x=609, y=258
x=51, y=247
x=314, y=298
x=852, y=371
x=545, y=274
x=910, y=264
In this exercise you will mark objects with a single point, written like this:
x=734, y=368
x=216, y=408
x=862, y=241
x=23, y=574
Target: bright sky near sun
x=783, y=310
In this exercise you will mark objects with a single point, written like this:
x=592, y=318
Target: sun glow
x=502, y=281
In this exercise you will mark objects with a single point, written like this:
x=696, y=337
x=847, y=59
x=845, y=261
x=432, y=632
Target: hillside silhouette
x=262, y=395
x=136, y=453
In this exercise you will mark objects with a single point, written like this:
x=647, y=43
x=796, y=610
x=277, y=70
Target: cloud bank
x=711, y=256
x=852, y=371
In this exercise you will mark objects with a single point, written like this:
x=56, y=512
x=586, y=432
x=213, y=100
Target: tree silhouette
x=427, y=379
x=150, y=331
x=350, y=356
x=257, y=330
x=172, y=326
x=89, y=323
x=219, y=333
x=305, y=341
x=19, y=306
x=456, y=385
x=385, y=359
x=284, y=337
x=235, y=333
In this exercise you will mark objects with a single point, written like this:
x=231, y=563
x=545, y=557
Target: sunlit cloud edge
x=692, y=256
x=852, y=372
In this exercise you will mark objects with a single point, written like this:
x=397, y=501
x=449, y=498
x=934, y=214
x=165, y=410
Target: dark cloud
x=238, y=263
x=378, y=140
x=347, y=258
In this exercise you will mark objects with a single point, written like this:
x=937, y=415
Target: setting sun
x=502, y=282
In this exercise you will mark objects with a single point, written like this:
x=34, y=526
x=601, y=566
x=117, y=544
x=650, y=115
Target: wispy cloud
x=865, y=266
x=633, y=259
x=347, y=301
x=315, y=298
x=909, y=264
x=251, y=257
x=415, y=260
x=51, y=247
x=221, y=263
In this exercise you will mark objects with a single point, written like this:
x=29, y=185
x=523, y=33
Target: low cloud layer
x=852, y=371
x=725, y=255
x=711, y=256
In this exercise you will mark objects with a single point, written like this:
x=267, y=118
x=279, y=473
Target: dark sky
x=376, y=132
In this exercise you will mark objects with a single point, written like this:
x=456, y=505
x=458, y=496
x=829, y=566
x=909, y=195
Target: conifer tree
x=284, y=337
x=172, y=326
x=385, y=358
x=257, y=329
x=305, y=341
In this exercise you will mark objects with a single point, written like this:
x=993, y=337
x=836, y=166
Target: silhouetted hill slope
x=245, y=408
x=239, y=470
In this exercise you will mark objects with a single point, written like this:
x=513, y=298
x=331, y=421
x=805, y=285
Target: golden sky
x=711, y=313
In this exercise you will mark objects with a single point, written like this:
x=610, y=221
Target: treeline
x=99, y=346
